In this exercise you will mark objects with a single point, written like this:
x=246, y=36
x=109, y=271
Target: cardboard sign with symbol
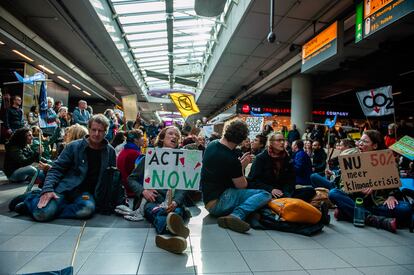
x=172, y=169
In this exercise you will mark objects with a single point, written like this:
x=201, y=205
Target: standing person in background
x=302, y=163
x=80, y=114
x=14, y=116
x=318, y=158
x=33, y=116
x=57, y=106
x=285, y=132
x=113, y=124
x=293, y=134
x=307, y=134
x=390, y=138
x=63, y=117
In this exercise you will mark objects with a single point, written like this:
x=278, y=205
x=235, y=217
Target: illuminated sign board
x=321, y=47
x=247, y=109
x=377, y=14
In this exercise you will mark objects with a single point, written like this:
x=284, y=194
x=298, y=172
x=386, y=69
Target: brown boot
x=389, y=224
x=176, y=226
x=233, y=223
x=174, y=244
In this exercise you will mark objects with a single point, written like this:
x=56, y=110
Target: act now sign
x=172, y=169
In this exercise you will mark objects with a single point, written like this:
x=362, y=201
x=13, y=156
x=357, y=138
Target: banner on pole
x=377, y=102
x=172, y=169
x=376, y=170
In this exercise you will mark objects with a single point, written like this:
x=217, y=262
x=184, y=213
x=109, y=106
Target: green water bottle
x=359, y=213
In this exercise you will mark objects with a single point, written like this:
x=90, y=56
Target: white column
x=301, y=108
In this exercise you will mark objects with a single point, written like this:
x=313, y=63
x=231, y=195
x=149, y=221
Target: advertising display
x=322, y=47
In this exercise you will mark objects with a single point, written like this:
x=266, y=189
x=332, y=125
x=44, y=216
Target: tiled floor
x=111, y=245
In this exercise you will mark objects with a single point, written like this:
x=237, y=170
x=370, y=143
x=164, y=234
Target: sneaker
x=174, y=244
x=176, y=226
x=389, y=224
x=16, y=200
x=326, y=218
x=21, y=209
x=233, y=223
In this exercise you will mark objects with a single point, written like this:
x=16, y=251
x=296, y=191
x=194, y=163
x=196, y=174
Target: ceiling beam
x=169, y=10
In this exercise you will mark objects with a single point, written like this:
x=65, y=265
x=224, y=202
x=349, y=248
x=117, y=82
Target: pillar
x=301, y=108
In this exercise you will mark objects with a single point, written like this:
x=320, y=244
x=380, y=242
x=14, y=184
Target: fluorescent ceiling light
x=46, y=69
x=63, y=79
x=76, y=87
x=23, y=55
x=2, y=43
x=86, y=93
x=397, y=93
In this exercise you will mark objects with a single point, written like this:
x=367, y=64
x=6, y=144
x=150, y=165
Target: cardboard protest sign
x=375, y=170
x=405, y=147
x=255, y=125
x=129, y=103
x=172, y=169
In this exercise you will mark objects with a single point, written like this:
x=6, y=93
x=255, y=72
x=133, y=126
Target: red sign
x=246, y=108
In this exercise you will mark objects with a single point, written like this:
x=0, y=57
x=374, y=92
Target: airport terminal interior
x=323, y=71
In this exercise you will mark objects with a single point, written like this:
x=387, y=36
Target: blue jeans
x=79, y=208
x=320, y=181
x=240, y=202
x=402, y=212
x=23, y=173
x=158, y=216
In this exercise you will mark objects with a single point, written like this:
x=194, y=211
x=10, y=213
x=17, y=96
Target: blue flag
x=43, y=101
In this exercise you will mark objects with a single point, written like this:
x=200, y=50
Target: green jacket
x=18, y=157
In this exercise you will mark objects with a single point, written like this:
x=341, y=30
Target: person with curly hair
x=223, y=181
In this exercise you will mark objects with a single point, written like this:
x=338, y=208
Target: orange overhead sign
x=372, y=6
x=320, y=40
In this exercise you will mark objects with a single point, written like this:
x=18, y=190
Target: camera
x=271, y=37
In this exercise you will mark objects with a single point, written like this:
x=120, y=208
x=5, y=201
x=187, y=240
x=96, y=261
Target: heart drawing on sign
x=182, y=161
x=147, y=180
x=197, y=165
x=149, y=152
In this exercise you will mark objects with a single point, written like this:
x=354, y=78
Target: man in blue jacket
x=76, y=180
x=302, y=163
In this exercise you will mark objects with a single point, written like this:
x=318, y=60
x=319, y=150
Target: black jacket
x=17, y=157
x=14, y=119
x=319, y=160
x=262, y=176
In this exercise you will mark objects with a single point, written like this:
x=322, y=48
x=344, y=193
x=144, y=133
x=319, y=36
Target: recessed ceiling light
x=46, y=69
x=23, y=55
x=63, y=79
x=2, y=43
x=86, y=93
x=76, y=87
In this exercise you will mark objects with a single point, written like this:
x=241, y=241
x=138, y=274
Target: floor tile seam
x=34, y=256
x=293, y=258
x=81, y=266
x=142, y=252
x=370, y=248
x=379, y=266
x=332, y=251
x=192, y=255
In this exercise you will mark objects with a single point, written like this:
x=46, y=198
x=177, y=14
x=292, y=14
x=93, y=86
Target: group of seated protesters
x=74, y=183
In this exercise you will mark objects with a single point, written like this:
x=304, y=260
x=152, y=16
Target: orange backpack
x=295, y=210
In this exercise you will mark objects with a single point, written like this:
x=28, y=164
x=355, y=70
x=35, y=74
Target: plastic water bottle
x=359, y=213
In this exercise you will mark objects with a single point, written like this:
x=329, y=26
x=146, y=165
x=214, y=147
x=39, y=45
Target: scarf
x=131, y=145
x=278, y=159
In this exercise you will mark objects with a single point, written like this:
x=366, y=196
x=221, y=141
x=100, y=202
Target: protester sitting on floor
x=20, y=157
x=384, y=208
x=125, y=161
x=75, y=184
x=46, y=142
x=223, y=183
x=307, y=147
x=165, y=218
x=302, y=163
x=333, y=173
x=258, y=144
x=272, y=170
x=73, y=132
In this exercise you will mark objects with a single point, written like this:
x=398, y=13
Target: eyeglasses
x=365, y=141
x=278, y=140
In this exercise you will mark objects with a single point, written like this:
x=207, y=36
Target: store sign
x=377, y=14
x=266, y=111
x=320, y=48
